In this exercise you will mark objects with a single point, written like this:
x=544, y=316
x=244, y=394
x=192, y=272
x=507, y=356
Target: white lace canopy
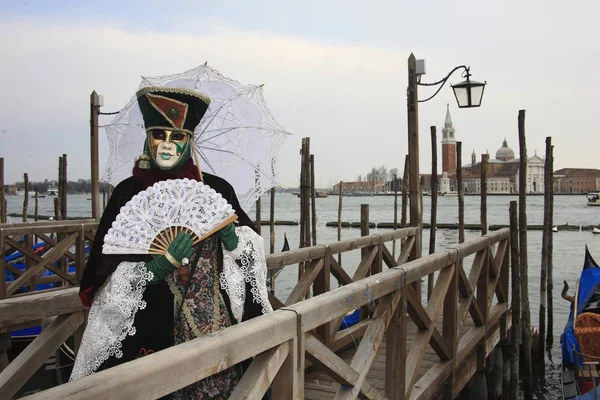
x=238, y=139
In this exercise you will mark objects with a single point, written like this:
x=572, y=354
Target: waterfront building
x=576, y=180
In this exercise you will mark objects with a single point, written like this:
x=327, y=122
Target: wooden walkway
x=404, y=347
x=320, y=386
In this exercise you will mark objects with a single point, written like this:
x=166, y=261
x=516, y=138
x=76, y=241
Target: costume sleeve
x=111, y=317
x=244, y=276
x=99, y=266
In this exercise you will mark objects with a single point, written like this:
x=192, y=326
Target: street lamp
x=468, y=94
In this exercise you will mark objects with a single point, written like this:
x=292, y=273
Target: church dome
x=505, y=153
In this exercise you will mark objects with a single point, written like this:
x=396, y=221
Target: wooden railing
x=60, y=238
x=461, y=322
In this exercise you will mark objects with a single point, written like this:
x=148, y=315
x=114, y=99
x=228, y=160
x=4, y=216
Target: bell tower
x=448, y=144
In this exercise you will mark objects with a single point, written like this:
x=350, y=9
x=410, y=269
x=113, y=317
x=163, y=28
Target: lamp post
x=468, y=94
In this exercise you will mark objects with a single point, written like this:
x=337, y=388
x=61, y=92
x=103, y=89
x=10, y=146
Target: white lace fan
x=148, y=223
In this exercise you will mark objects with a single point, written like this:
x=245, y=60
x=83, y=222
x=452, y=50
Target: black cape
x=154, y=324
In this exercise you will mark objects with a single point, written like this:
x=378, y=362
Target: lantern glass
x=468, y=93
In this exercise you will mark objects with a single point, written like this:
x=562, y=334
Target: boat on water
x=596, y=230
x=593, y=199
x=580, y=340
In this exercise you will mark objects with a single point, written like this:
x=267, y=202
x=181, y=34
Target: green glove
x=180, y=248
x=228, y=237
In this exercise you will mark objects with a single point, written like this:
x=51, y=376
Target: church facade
x=502, y=171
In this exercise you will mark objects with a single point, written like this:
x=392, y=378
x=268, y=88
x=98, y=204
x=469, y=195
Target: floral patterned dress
x=204, y=311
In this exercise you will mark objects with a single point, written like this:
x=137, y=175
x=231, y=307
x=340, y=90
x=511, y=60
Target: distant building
x=502, y=171
x=359, y=187
x=576, y=180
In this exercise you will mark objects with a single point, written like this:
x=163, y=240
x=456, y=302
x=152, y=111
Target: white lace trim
x=251, y=267
x=111, y=317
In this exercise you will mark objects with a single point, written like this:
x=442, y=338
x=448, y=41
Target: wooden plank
x=423, y=322
x=415, y=357
x=406, y=249
x=365, y=263
x=36, y=306
x=395, y=368
x=43, y=346
x=340, y=274
x=305, y=281
x=260, y=374
x=286, y=383
x=54, y=243
x=186, y=363
x=47, y=259
x=388, y=258
x=336, y=367
x=450, y=331
x=467, y=304
x=349, y=335
x=365, y=354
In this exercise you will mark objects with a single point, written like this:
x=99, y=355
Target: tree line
x=78, y=186
x=380, y=174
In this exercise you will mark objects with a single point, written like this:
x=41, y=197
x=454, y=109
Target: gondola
x=580, y=341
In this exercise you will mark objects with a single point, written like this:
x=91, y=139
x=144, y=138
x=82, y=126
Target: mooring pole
x=434, y=190
x=461, y=194
x=2, y=199
x=483, y=192
x=515, y=340
x=549, y=174
x=313, y=204
x=339, y=224
x=94, y=163
x=526, y=345
x=413, y=157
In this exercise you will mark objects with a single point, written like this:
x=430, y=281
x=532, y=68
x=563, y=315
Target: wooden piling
x=304, y=199
x=434, y=190
x=405, y=178
x=547, y=231
x=395, y=213
x=549, y=210
x=272, y=238
x=26, y=197
x=461, y=194
x=94, y=163
x=313, y=201
x=35, y=212
x=258, y=216
x=62, y=177
x=483, y=192
x=272, y=222
x=2, y=198
x=364, y=220
x=526, y=314
x=339, y=224
x=515, y=330
x=57, y=215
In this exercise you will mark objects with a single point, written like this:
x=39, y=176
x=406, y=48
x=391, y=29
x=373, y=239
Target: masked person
x=142, y=304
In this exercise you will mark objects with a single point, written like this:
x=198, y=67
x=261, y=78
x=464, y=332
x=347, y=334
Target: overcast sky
x=333, y=70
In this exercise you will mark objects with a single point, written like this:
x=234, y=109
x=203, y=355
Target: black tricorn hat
x=172, y=108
